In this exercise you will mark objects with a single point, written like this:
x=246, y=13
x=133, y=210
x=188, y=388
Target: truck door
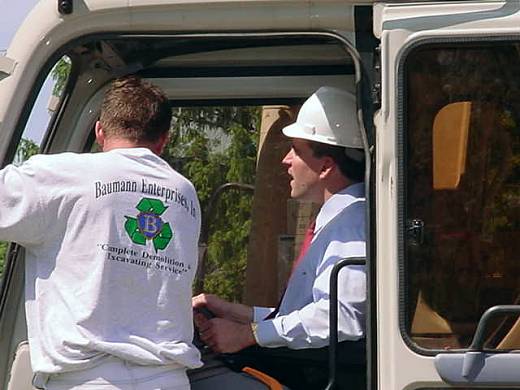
x=448, y=199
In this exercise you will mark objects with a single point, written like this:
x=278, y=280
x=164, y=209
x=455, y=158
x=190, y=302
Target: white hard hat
x=329, y=116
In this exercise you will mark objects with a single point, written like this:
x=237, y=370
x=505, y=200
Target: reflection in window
x=463, y=191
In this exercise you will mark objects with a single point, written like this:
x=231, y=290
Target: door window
x=462, y=191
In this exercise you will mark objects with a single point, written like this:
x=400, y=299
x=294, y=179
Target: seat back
x=21, y=371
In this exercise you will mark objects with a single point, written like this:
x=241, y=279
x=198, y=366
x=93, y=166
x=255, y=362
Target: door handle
x=479, y=366
x=415, y=231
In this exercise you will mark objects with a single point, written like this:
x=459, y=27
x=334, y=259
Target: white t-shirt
x=111, y=253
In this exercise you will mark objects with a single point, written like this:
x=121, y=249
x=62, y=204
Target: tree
x=212, y=146
x=25, y=150
x=3, y=251
x=60, y=73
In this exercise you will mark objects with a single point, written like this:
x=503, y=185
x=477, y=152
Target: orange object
x=450, y=143
x=269, y=381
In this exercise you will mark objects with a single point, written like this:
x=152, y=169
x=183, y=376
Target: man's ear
x=328, y=167
x=161, y=143
x=100, y=134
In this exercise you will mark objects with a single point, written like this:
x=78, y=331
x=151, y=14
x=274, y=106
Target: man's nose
x=288, y=158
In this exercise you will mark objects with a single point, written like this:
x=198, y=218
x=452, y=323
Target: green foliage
x=60, y=73
x=25, y=150
x=3, y=251
x=212, y=146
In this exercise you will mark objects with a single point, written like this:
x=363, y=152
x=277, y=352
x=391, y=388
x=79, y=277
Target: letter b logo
x=149, y=224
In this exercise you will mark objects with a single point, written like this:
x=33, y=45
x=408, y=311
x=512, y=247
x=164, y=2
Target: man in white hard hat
x=326, y=165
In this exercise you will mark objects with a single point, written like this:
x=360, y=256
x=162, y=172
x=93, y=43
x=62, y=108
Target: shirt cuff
x=267, y=334
x=259, y=313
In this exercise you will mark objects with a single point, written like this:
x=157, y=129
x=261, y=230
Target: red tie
x=306, y=243
x=307, y=239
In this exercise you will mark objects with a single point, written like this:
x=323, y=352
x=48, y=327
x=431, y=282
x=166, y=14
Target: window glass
x=462, y=172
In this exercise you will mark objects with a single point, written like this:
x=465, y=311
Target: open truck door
x=447, y=195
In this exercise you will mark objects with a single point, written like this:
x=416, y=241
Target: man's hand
x=224, y=336
x=223, y=309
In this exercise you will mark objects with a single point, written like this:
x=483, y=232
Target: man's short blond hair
x=136, y=110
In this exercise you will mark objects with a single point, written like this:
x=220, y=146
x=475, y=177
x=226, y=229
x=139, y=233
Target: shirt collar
x=338, y=202
x=137, y=151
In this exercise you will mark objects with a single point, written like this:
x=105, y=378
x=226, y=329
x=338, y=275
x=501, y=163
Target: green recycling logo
x=148, y=225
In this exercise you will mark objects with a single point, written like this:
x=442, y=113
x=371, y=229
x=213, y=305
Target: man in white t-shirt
x=111, y=252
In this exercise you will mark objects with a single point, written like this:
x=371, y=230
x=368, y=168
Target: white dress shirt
x=303, y=317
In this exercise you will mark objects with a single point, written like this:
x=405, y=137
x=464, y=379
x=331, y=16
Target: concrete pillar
x=269, y=214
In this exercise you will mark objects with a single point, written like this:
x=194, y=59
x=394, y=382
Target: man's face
x=304, y=169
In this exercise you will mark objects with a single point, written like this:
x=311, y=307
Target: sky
x=12, y=14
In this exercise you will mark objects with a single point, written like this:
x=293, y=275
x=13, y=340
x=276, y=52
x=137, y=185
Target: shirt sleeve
x=21, y=217
x=309, y=326
x=259, y=313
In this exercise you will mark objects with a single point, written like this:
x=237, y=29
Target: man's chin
x=297, y=196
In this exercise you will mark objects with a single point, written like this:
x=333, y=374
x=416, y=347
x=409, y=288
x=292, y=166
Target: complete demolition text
x=144, y=259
